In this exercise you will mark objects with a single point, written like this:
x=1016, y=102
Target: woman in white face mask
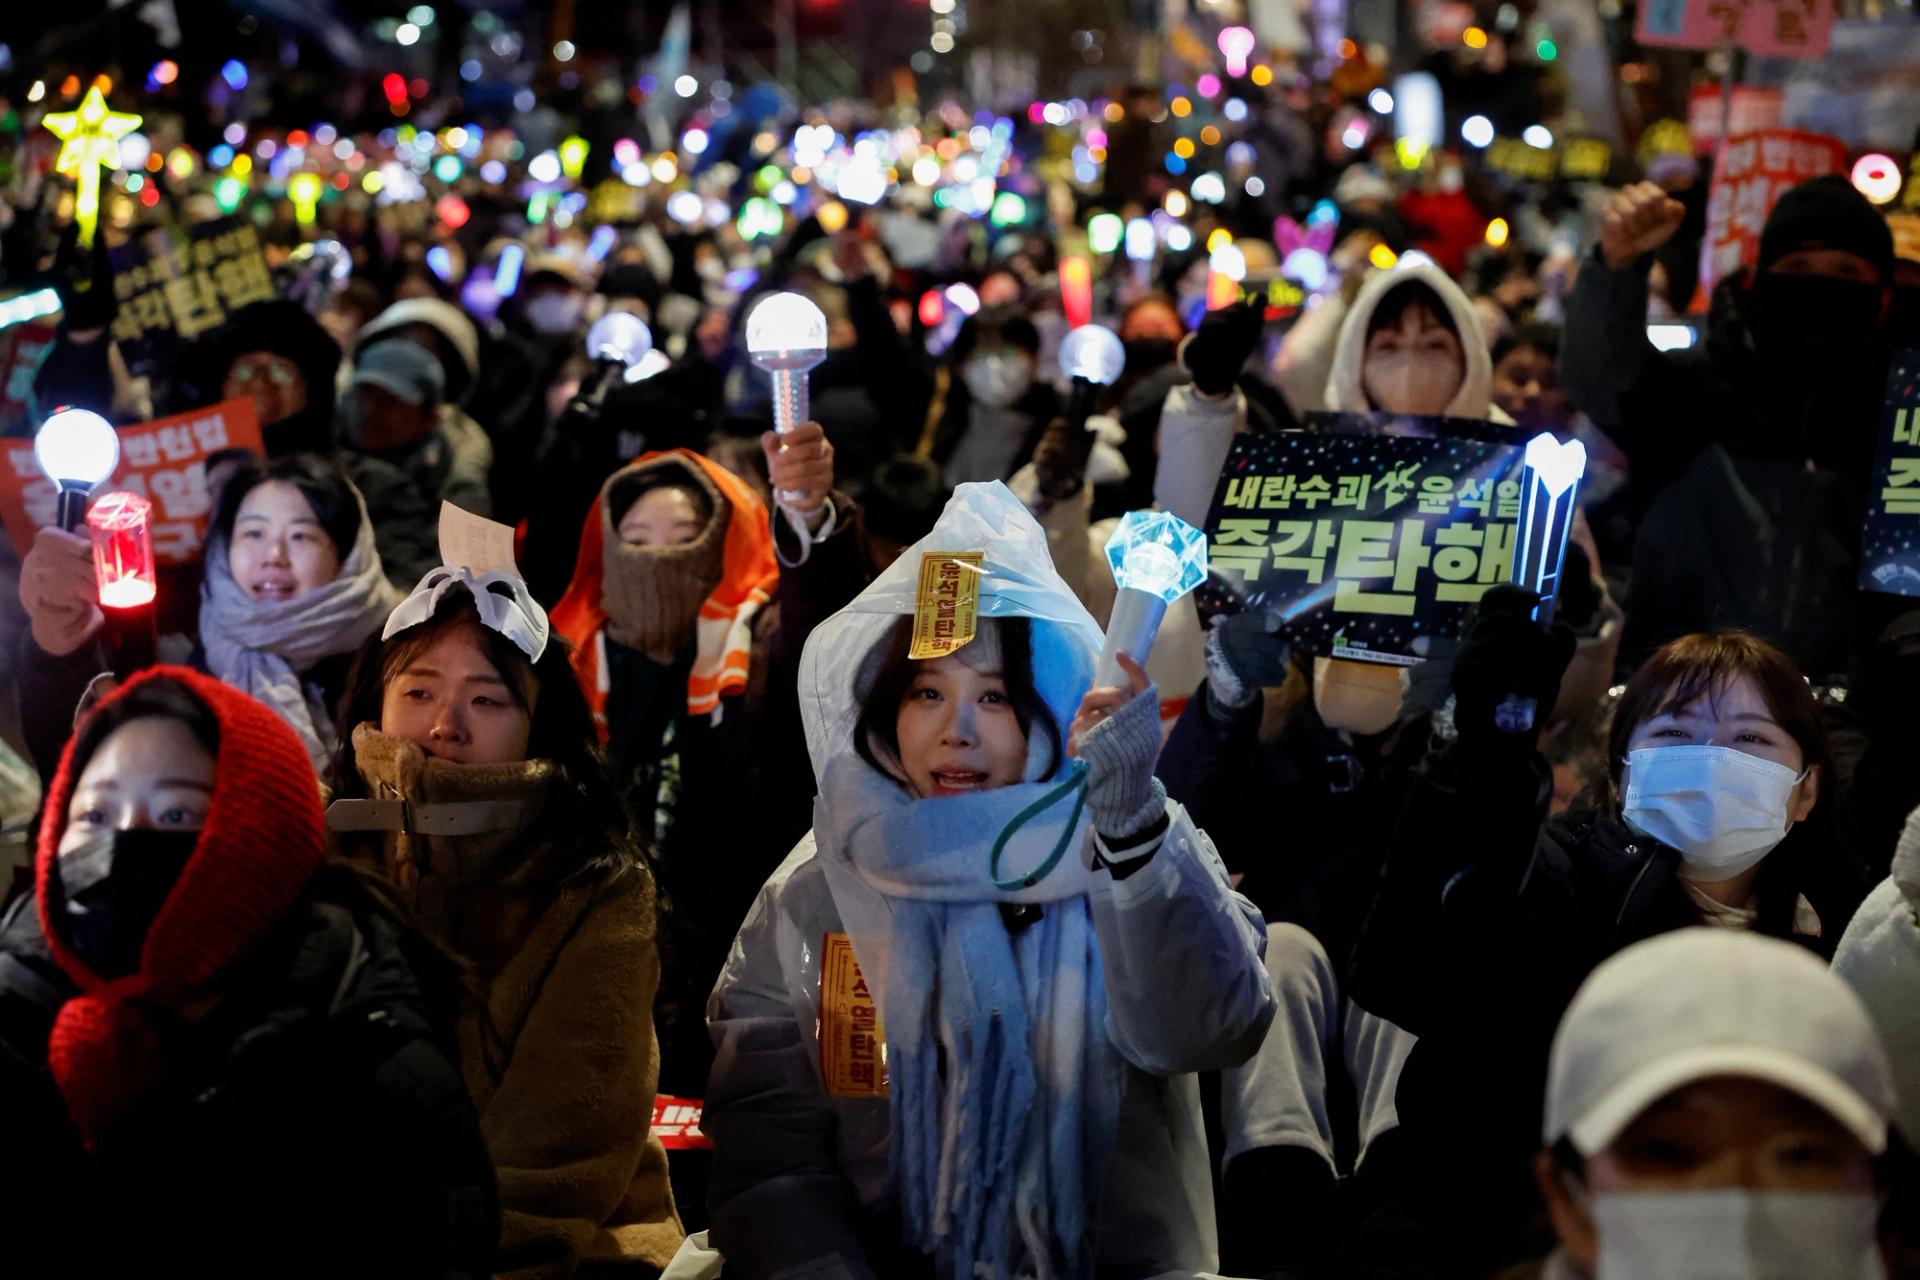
x=1490, y=916
x=995, y=407
x=1717, y=1109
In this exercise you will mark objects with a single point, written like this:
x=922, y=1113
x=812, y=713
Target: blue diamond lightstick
x=1156, y=558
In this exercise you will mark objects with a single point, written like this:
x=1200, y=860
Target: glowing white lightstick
x=786, y=336
x=1550, y=484
x=77, y=448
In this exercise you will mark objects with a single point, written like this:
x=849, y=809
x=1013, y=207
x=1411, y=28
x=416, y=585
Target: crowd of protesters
x=359, y=935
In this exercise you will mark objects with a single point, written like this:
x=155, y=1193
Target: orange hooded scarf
x=723, y=631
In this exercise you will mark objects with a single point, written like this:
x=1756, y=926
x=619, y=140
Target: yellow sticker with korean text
x=947, y=604
x=853, y=1054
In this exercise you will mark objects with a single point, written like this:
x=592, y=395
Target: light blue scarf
x=1001, y=1160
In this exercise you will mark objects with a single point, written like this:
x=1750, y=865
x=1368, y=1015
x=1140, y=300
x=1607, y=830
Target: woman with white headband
x=471, y=780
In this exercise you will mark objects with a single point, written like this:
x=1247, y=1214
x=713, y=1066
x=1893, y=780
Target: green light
x=537, y=207
x=768, y=177
x=1009, y=209
x=447, y=168
x=1547, y=50
x=760, y=217
x=1105, y=231
x=228, y=193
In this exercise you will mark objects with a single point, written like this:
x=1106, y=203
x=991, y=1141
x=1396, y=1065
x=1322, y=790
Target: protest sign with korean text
x=1361, y=542
x=1890, y=538
x=1754, y=169
x=172, y=289
x=22, y=348
x=1769, y=28
x=164, y=461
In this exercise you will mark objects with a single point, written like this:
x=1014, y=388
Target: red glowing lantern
x=120, y=524
x=1076, y=290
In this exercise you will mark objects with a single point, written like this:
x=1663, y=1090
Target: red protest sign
x=1769, y=28
x=164, y=461
x=676, y=1122
x=1754, y=170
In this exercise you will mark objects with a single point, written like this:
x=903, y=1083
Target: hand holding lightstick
x=121, y=528
x=786, y=336
x=1091, y=357
x=617, y=343
x=1550, y=485
x=1156, y=558
x=77, y=448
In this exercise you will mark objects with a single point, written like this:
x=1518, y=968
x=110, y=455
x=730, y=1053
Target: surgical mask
x=1409, y=381
x=1736, y=1234
x=1360, y=697
x=998, y=380
x=114, y=886
x=1794, y=314
x=555, y=313
x=1722, y=809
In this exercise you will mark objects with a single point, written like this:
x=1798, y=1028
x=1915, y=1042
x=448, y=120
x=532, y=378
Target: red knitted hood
x=262, y=842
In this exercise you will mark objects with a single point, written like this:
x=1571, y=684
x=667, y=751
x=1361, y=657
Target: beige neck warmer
x=653, y=595
x=435, y=873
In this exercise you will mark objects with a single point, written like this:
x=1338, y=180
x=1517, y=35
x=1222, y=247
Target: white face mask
x=1736, y=1234
x=997, y=380
x=1410, y=381
x=1722, y=809
x=556, y=313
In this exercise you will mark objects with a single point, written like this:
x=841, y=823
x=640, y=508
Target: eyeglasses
x=279, y=374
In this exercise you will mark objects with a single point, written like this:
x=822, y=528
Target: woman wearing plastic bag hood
x=1001, y=1084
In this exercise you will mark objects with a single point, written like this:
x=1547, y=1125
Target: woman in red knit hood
x=237, y=1052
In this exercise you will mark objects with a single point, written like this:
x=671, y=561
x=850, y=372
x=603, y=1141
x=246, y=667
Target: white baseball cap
x=1702, y=1002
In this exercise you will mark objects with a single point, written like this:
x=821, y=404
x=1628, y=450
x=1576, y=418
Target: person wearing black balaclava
x=1752, y=451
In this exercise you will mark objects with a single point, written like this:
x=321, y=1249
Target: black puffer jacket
x=1487, y=921
x=312, y=1124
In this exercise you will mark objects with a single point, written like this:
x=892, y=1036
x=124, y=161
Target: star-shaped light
x=1159, y=553
x=89, y=138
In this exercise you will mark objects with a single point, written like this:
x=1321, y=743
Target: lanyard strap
x=1076, y=783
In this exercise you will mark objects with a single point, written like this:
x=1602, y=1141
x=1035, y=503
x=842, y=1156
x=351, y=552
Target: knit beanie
x=653, y=594
x=262, y=842
x=1827, y=213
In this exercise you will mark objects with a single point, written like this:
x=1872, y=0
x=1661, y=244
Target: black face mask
x=1144, y=355
x=1819, y=315
x=113, y=888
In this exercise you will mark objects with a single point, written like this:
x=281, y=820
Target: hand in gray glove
x=1117, y=733
x=1245, y=654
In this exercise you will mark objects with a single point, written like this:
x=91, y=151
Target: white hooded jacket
x=801, y=1176
x=1474, y=399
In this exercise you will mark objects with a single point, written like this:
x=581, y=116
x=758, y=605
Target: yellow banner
x=853, y=1056
x=947, y=605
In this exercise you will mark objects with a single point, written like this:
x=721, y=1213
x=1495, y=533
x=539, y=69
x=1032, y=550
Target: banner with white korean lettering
x=1363, y=542
x=164, y=461
x=1890, y=538
x=172, y=288
x=1754, y=169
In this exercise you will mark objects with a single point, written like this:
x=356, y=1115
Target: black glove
x=1060, y=459
x=1220, y=347
x=1507, y=675
x=1245, y=654
x=85, y=283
